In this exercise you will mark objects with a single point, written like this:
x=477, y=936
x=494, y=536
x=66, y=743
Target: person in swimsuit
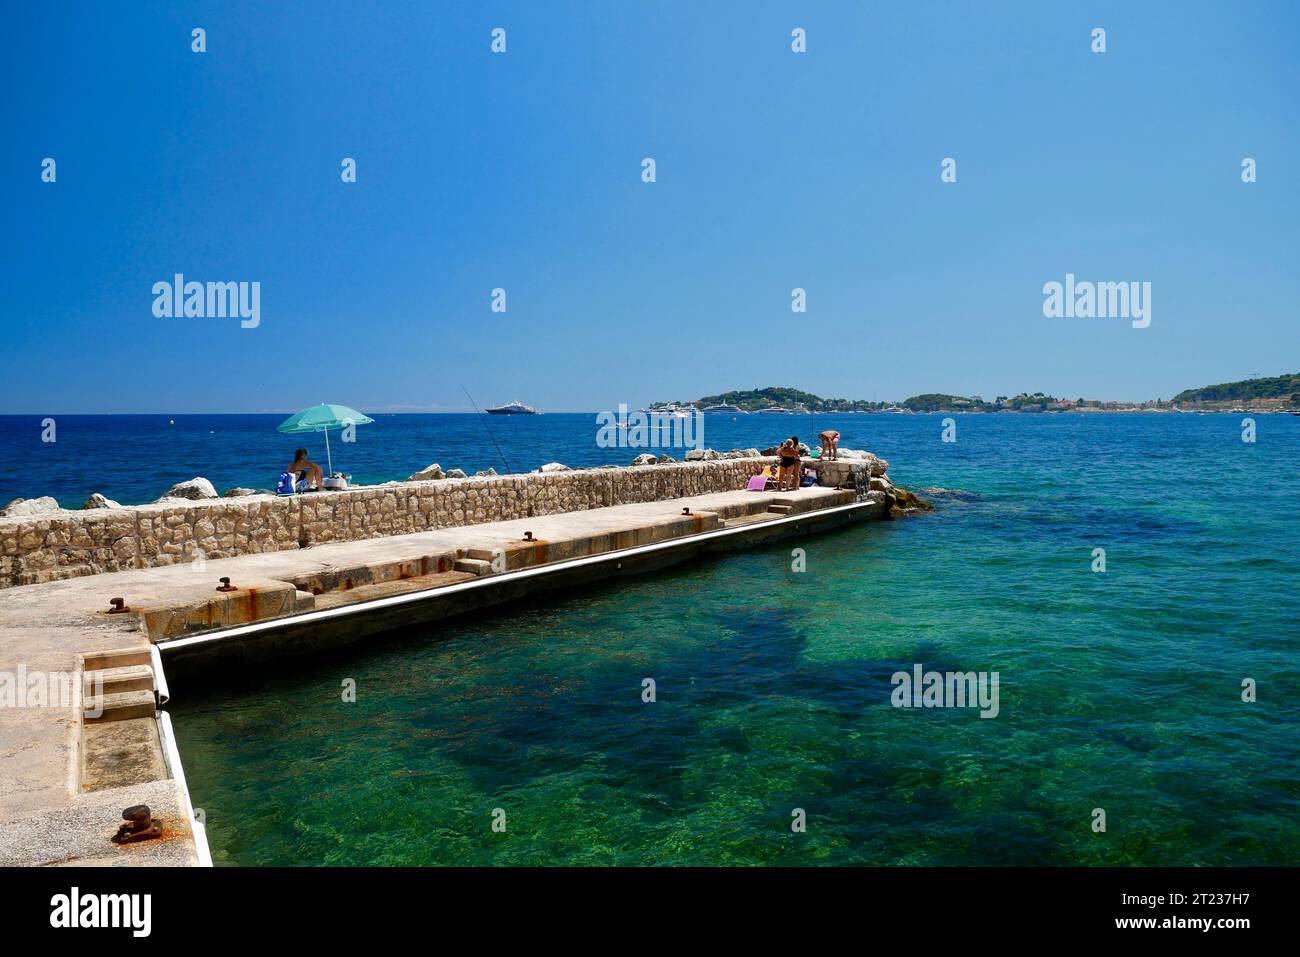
x=306, y=473
x=830, y=444
x=790, y=464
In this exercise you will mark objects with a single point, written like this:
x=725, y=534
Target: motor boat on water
x=513, y=408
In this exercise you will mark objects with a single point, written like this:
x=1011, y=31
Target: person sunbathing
x=306, y=473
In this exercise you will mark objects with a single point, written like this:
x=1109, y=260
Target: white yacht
x=513, y=408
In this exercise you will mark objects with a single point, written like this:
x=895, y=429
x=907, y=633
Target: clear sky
x=522, y=170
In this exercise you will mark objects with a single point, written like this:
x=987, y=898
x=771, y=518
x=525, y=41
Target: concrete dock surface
x=68, y=776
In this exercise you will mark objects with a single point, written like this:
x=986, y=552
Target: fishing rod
x=486, y=429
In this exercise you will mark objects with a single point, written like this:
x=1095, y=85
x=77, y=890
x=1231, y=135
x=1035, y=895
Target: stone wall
x=66, y=544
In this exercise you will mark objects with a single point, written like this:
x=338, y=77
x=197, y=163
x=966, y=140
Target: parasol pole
x=329, y=460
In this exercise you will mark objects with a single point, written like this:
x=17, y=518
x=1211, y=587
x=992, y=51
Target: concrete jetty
x=96, y=739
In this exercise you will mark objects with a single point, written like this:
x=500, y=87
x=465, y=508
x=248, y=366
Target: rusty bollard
x=686, y=511
x=226, y=586
x=118, y=606
x=528, y=537
x=139, y=826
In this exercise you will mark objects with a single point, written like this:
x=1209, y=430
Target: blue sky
x=522, y=171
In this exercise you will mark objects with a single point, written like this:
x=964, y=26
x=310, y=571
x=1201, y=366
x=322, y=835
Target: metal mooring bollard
x=118, y=606
x=139, y=826
x=226, y=586
x=686, y=511
x=528, y=537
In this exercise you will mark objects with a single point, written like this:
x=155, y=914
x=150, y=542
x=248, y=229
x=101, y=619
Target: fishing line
x=489, y=431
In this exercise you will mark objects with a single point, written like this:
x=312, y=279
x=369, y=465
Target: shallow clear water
x=1119, y=690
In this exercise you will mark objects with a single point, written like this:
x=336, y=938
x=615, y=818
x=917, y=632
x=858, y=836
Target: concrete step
x=510, y=556
x=352, y=575
x=753, y=519
x=205, y=609
x=475, y=566
x=118, y=680
x=780, y=507
x=124, y=705
x=100, y=660
x=386, y=589
x=118, y=754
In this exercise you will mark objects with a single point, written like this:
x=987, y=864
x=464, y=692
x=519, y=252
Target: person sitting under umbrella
x=306, y=473
x=321, y=418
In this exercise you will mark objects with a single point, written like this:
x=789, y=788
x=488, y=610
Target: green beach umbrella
x=322, y=418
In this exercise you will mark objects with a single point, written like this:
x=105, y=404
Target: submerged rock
x=952, y=494
x=194, y=489
x=24, y=507
x=98, y=501
x=903, y=502
x=433, y=471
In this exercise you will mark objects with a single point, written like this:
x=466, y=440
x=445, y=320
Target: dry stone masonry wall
x=64, y=544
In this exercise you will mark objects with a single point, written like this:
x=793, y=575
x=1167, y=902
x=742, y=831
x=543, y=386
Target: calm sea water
x=1119, y=691
x=134, y=459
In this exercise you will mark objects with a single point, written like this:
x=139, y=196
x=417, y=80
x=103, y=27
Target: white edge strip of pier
x=488, y=581
x=161, y=693
x=173, y=757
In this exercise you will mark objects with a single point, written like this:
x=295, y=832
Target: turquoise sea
x=1119, y=690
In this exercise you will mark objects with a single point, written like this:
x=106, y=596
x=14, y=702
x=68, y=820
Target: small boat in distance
x=513, y=408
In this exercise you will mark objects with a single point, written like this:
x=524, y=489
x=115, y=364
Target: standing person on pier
x=830, y=444
x=790, y=463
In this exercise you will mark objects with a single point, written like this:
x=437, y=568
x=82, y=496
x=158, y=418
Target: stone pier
x=233, y=582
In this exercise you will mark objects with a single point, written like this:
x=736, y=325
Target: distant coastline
x=1262, y=395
